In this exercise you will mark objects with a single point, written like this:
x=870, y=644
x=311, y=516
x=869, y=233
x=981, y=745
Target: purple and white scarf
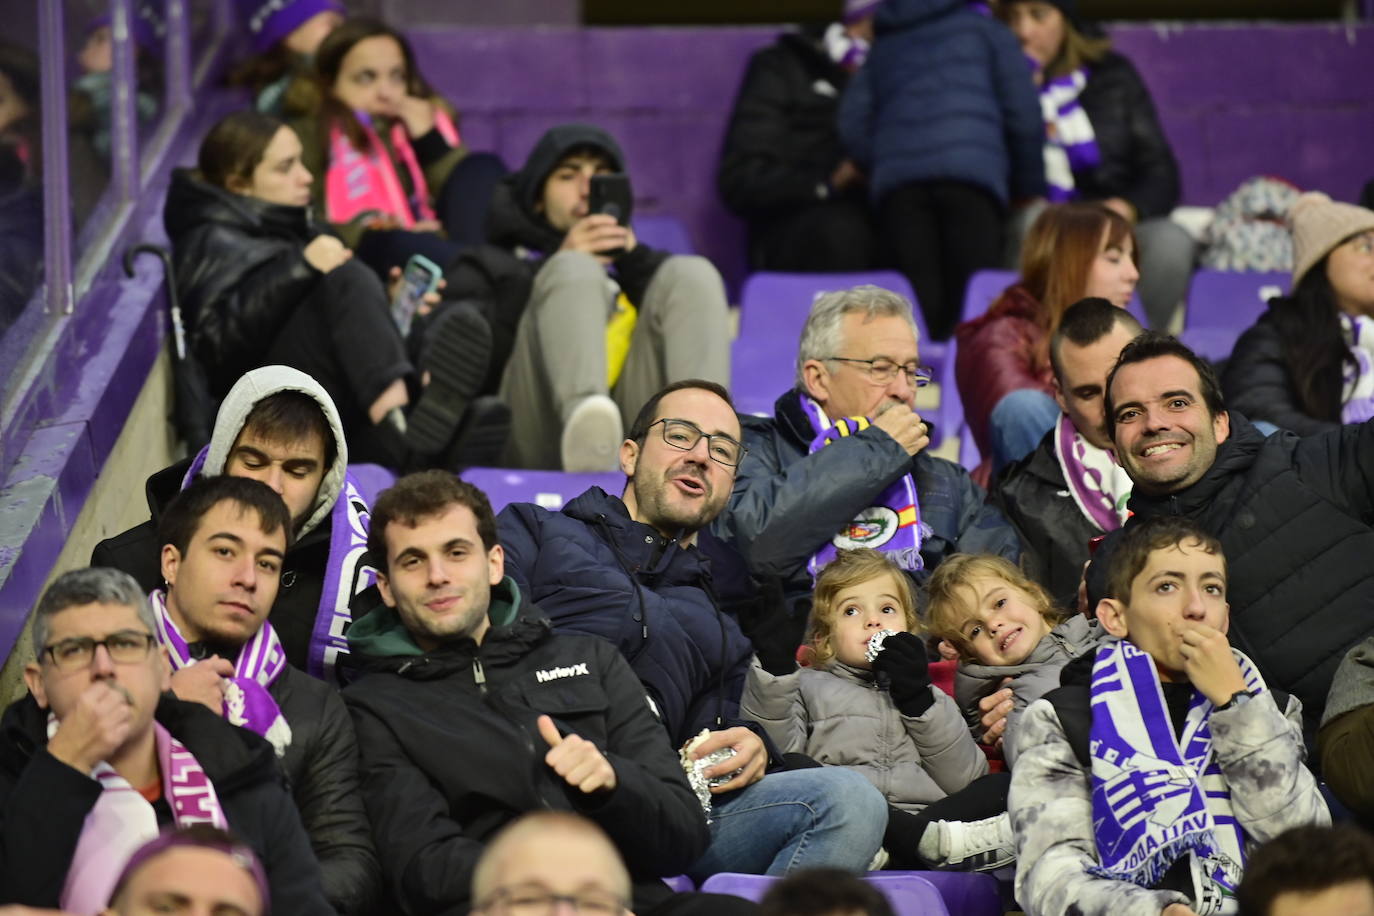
x=1156, y=798
x=1097, y=483
x=1357, y=389
x=122, y=820
x=892, y=524
x=345, y=573
x=1070, y=143
x=247, y=702
x=844, y=49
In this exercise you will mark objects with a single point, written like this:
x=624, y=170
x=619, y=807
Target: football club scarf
x=892, y=524
x=1070, y=144
x=1097, y=483
x=122, y=820
x=261, y=661
x=360, y=181
x=1357, y=390
x=1155, y=797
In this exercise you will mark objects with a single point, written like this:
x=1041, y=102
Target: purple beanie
x=199, y=836
x=269, y=21
x=147, y=26
x=854, y=10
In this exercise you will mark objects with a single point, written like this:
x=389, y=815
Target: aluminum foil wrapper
x=875, y=644
x=700, y=784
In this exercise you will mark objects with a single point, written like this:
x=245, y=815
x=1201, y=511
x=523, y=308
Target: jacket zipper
x=479, y=676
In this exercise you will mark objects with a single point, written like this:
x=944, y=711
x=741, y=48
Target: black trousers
x=834, y=235
x=342, y=336
x=985, y=797
x=939, y=233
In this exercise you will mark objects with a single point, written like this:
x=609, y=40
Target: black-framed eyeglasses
x=684, y=434
x=536, y=901
x=125, y=647
x=883, y=370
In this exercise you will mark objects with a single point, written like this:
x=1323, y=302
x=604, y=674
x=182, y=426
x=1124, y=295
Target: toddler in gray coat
x=868, y=704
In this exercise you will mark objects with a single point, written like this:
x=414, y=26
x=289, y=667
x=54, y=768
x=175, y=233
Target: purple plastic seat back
x=680, y=884
x=962, y=893
x=1222, y=304
x=550, y=489
x=372, y=479
x=983, y=289
x=750, y=887
x=664, y=232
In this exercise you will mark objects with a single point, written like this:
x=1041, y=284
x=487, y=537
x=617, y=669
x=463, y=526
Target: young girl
x=1007, y=632
x=872, y=708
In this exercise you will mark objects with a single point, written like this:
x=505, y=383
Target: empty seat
x=550, y=489
x=1222, y=304
x=664, y=232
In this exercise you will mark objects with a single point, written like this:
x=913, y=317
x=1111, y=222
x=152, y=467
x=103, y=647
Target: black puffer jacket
x=44, y=803
x=240, y=272
x=1294, y=516
x=1257, y=381
x=451, y=751
x=1137, y=162
x=1054, y=532
x=782, y=144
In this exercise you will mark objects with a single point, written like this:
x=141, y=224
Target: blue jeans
x=826, y=816
x=1018, y=423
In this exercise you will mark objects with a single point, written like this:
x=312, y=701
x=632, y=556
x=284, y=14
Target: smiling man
x=98, y=758
x=1295, y=515
x=629, y=570
x=224, y=539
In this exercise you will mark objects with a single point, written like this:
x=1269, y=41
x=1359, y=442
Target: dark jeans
x=939, y=233
x=835, y=235
x=985, y=797
x=342, y=336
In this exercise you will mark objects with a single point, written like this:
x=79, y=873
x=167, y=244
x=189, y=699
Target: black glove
x=903, y=663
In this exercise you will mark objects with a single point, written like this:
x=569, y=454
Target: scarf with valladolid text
x=892, y=524
x=1098, y=484
x=122, y=820
x=1070, y=143
x=261, y=661
x=1155, y=797
x=1357, y=390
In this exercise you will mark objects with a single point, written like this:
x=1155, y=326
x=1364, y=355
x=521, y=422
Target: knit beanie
x=556, y=143
x=854, y=10
x=1318, y=225
x=270, y=21
x=147, y=26
x=1068, y=7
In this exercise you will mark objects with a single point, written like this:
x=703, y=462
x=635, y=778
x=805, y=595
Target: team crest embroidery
x=873, y=527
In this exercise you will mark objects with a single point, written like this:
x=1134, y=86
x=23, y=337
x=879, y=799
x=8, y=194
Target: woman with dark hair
x=394, y=177
x=1105, y=142
x=1006, y=383
x=1307, y=365
x=261, y=284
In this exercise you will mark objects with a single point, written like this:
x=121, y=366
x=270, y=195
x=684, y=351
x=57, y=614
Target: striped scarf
x=358, y=182
x=1357, y=390
x=1098, y=484
x=1070, y=143
x=1157, y=798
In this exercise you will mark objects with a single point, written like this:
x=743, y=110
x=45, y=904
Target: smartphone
x=420, y=278
x=611, y=194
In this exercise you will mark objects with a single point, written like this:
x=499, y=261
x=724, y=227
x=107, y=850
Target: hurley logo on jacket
x=553, y=674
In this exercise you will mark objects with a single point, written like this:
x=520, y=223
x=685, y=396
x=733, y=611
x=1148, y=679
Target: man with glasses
x=844, y=463
x=548, y=858
x=628, y=569
x=98, y=758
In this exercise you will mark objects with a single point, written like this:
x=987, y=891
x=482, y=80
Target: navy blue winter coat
x=592, y=569
x=945, y=95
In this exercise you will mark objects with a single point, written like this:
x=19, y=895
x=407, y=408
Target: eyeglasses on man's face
x=684, y=435
x=538, y=901
x=882, y=371
x=125, y=647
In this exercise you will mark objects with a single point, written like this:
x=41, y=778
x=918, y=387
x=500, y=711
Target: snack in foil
x=875, y=644
x=700, y=784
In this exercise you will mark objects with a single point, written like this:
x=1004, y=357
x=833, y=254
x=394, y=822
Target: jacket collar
x=635, y=542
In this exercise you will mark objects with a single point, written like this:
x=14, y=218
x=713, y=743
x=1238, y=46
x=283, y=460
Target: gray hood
x=238, y=403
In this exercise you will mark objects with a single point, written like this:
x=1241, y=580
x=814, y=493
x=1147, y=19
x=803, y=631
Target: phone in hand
x=420, y=278
x=610, y=194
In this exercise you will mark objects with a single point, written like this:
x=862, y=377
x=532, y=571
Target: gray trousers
x=559, y=358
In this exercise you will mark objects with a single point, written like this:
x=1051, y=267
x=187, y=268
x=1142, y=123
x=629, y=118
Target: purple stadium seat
x=663, y=231
x=750, y=887
x=681, y=884
x=372, y=479
x=1222, y=304
x=963, y=893
x=910, y=893
x=773, y=309
x=550, y=489
x=983, y=289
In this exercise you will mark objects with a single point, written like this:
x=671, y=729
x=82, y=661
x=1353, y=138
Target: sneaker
x=481, y=437
x=592, y=434
x=880, y=860
x=456, y=351
x=970, y=845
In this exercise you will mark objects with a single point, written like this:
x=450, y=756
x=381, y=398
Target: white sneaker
x=969, y=845
x=592, y=435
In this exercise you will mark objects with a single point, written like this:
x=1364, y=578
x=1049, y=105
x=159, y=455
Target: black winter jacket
x=138, y=553
x=44, y=803
x=782, y=143
x=1294, y=516
x=595, y=570
x=1054, y=532
x=1137, y=162
x=1258, y=383
x=240, y=272
x=451, y=752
